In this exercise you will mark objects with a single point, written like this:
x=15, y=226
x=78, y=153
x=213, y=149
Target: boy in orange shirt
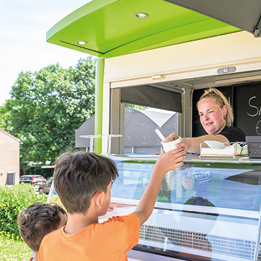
x=83, y=182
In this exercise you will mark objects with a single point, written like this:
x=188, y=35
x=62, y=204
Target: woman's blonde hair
x=221, y=100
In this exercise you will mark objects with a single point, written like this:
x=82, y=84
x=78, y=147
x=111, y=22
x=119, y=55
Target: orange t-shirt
x=108, y=241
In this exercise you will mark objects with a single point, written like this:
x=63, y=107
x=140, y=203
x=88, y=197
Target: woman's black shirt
x=233, y=134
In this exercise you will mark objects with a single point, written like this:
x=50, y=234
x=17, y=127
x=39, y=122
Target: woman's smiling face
x=212, y=117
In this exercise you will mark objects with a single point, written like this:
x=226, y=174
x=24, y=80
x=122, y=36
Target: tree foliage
x=47, y=106
x=4, y=118
x=138, y=107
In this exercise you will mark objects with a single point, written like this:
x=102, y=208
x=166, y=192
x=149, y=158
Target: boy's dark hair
x=38, y=220
x=79, y=176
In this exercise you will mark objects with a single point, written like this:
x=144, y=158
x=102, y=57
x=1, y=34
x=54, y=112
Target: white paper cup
x=171, y=145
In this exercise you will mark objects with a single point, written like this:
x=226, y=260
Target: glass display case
x=205, y=210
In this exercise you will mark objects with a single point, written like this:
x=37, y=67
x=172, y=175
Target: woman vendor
x=216, y=117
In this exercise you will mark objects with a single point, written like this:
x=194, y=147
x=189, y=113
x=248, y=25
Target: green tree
x=138, y=107
x=46, y=107
x=4, y=118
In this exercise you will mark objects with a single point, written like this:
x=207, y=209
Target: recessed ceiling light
x=142, y=15
x=82, y=42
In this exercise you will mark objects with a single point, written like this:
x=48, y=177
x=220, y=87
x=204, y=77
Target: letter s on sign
x=252, y=107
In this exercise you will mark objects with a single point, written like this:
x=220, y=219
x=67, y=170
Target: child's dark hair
x=38, y=220
x=79, y=176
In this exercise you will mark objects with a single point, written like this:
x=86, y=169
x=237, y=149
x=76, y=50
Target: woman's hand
x=171, y=137
x=183, y=144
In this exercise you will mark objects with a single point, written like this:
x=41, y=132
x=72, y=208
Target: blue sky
x=23, y=46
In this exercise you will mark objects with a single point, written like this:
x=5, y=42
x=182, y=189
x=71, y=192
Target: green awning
x=110, y=27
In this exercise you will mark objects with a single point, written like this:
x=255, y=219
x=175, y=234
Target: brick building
x=9, y=159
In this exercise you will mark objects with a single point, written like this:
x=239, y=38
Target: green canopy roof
x=110, y=28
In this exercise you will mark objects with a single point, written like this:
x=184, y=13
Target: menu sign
x=247, y=106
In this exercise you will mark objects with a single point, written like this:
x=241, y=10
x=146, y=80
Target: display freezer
x=206, y=210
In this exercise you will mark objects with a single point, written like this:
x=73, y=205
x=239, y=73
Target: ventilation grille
x=229, y=247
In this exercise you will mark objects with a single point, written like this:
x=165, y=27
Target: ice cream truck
x=163, y=54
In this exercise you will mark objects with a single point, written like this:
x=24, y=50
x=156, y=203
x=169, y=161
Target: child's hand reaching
x=170, y=160
x=166, y=162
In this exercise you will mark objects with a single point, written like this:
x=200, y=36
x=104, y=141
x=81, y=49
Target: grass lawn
x=13, y=250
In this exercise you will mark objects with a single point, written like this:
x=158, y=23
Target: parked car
x=35, y=180
x=46, y=186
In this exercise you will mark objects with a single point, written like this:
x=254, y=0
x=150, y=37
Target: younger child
x=83, y=182
x=38, y=220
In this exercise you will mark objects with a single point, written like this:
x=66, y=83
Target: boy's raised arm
x=166, y=162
